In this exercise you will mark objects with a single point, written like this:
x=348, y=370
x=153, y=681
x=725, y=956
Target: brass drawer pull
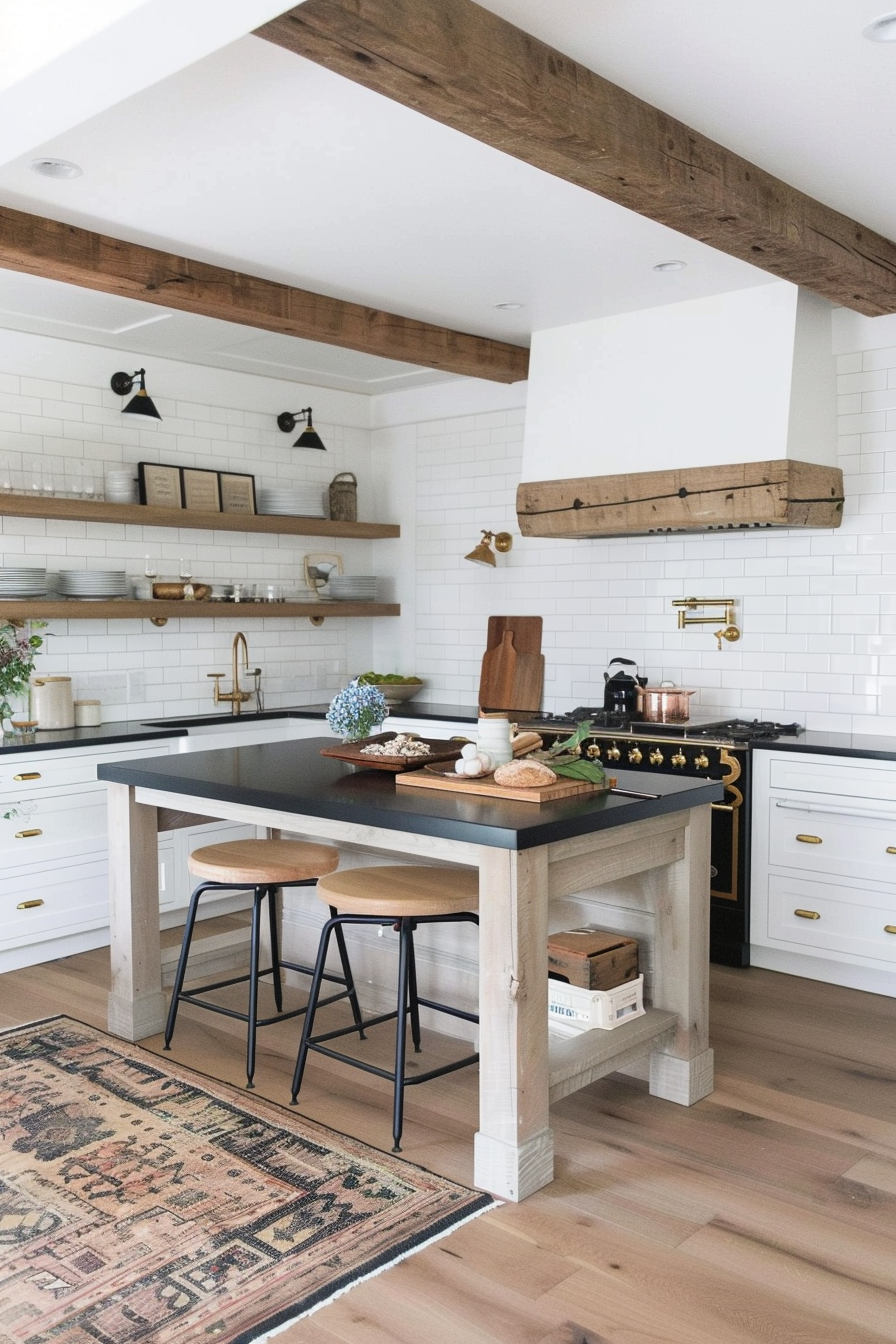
x=891, y=849
x=890, y=928
x=28, y=905
x=809, y=839
x=30, y=774
x=26, y=835
x=807, y=914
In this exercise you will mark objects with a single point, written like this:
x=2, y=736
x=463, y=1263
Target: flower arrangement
x=355, y=710
x=18, y=645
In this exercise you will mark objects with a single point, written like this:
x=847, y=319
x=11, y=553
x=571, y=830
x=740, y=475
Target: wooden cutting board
x=431, y=777
x=498, y=677
x=513, y=665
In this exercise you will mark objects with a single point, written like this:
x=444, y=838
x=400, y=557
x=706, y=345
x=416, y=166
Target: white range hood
x=713, y=413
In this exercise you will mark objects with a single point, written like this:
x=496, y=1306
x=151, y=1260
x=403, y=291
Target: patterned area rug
x=140, y=1201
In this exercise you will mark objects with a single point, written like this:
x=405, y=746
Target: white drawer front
x=852, y=921
x=55, y=898
x=35, y=771
x=842, y=777
x=831, y=842
x=28, y=824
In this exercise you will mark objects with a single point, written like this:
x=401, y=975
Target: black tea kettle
x=621, y=689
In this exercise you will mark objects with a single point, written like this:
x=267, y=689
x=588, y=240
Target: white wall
x=817, y=608
x=56, y=404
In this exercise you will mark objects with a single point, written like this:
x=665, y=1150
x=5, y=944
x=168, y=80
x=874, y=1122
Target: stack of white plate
x=22, y=581
x=92, y=583
x=303, y=501
x=353, y=587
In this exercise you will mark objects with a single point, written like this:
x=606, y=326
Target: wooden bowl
x=174, y=592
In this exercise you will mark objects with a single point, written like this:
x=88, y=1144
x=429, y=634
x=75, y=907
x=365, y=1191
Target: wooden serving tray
x=444, y=777
x=440, y=749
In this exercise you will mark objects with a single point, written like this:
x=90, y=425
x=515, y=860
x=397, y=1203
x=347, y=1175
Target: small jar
x=493, y=736
x=88, y=713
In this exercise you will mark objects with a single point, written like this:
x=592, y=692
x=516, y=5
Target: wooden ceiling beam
x=76, y=256
x=467, y=68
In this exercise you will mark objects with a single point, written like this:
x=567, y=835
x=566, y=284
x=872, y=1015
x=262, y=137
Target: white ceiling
x=256, y=159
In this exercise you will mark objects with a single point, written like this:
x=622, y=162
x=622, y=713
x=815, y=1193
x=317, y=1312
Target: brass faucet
x=236, y=697
x=729, y=631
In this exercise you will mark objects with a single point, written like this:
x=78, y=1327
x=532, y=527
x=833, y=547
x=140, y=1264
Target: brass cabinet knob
x=636, y=756
x=593, y=752
x=613, y=753
x=656, y=757
x=702, y=761
x=679, y=759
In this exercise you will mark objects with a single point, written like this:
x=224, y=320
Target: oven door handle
x=789, y=806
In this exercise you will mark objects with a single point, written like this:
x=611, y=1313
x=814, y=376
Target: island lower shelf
x=576, y=1061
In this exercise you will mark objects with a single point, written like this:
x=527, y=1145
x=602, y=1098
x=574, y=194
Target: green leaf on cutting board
x=582, y=731
x=592, y=771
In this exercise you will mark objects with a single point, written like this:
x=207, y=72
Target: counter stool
x=266, y=865
x=403, y=896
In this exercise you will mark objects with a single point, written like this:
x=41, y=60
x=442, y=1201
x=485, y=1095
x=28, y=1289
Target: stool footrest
x=389, y=1074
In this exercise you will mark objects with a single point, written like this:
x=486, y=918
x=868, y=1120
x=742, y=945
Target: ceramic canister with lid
x=53, y=703
x=88, y=713
x=493, y=737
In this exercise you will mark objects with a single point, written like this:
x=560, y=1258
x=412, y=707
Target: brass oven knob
x=636, y=756
x=702, y=761
x=613, y=753
x=593, y=751
x=679, y=759
x=656, y=757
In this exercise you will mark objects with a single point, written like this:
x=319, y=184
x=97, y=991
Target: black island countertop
x=293, y=777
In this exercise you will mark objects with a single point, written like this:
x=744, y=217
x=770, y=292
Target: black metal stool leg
x=347, y=975
x=412, y=991
x=181, y=973
x=313, y=995
x=273, y=893
x=254, y=952
x=405, y=953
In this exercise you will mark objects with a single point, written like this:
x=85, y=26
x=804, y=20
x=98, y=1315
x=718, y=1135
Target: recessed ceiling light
x=664, y=266
x=882, y=29
x=56, y=168
x=506, y=307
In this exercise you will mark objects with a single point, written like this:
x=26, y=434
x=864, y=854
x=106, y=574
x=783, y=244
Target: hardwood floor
x=766, y=1214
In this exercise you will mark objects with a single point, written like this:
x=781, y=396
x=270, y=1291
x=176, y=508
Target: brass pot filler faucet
x=236, y=697
x=729, y=630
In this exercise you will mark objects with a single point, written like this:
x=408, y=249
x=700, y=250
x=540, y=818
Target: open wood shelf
x=99, y=511
x=124, y=608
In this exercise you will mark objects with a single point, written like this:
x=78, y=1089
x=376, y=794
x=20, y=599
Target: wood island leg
x=137, y=1006
x=682, y=1069
x=514, y=1148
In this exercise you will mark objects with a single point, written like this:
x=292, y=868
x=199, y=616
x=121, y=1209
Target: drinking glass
x=150, y=567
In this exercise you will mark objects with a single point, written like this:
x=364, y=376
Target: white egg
x=473, y=768
x=469, y=751
x=460, y=767
x=486, y=760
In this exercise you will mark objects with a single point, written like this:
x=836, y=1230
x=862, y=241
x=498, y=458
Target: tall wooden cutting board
x=513, y=666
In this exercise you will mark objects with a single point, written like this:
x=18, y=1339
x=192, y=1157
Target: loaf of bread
x=524, y=774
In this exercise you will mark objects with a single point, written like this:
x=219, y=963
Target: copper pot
x=664, y=704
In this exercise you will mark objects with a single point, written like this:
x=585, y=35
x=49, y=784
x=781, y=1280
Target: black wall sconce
x=309, y=437
x=142, y=403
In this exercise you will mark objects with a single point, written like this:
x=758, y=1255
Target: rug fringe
x=372, y=1274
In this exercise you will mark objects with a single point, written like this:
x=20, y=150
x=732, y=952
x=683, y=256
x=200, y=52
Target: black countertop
x=294, y=777
x=105, y=735
x=833, y=744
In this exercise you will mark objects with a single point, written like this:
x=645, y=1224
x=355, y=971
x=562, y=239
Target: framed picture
x=237, y=492
x=160, y=486
x=201, y=489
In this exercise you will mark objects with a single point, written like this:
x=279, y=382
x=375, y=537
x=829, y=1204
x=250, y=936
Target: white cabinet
x=823, y=897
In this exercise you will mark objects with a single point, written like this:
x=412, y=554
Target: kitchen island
x=526, y=854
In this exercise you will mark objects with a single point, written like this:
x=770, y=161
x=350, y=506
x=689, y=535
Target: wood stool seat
x=265, y=866
x=397, y=890
x=403, y=895
x=263, y=861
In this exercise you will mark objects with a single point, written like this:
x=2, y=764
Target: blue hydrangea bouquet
x=355, y=711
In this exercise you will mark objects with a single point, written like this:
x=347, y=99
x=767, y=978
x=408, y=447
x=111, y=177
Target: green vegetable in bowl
x=388, y=679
